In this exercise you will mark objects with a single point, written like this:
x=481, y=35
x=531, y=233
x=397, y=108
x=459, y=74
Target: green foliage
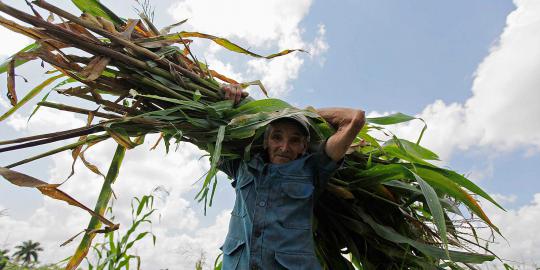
x=115, y=252
x=4, y=258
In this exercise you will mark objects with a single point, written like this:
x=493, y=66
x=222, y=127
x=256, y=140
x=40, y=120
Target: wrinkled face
x=285, y=143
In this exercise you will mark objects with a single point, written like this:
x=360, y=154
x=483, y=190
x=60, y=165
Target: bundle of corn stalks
x=386, y=208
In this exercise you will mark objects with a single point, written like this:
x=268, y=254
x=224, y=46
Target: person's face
x=285, y=142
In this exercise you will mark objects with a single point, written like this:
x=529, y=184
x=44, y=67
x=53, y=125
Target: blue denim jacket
x=271, y=222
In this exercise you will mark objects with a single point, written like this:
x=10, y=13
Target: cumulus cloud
x=505, y=99
x=503, y=111
x=258, y=22
x=520, y=228
x=262, y=26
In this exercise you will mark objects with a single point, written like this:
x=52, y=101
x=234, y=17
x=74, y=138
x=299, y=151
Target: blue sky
x=469, y=68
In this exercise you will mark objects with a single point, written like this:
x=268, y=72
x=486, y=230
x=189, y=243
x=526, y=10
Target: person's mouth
x=283, y=157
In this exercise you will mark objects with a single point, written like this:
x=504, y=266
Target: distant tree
x=4, y=258
x=28, y=252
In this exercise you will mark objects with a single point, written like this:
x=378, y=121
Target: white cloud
x=520, y=228
x=45, y=120
x=277, y=73
x=11, y=42
x=259, y=26
x=503, y=111
x=258, y=22
x=504, y=107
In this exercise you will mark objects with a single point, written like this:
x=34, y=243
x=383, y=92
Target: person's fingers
x=234, y=93
x=227, y=91
x=238, y=95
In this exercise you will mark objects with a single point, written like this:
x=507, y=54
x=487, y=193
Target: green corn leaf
x=216, y=154
x=435, y=208
x=263, y=105
x=102, y=202
x=446, y=185
x=463, y=182
x=379, y=174
x=94, y=7
x=434, y=252
x=390, y=119
x=412, y=149
x=225, y=43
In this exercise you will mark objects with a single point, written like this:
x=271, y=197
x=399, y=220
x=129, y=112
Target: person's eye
x=276, y=137
x=295, y=140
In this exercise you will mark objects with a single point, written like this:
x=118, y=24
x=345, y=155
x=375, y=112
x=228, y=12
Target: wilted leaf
x=49, y=190
x=167, y=29
x=12, y=95
x=77, y=151
x=233, y=47
x=95, y=68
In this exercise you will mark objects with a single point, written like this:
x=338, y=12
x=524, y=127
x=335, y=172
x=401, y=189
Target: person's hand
x=234, y=92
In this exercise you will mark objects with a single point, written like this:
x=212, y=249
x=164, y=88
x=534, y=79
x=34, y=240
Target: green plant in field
x=115, y=251
x=28, y=252
x=388, y=207
x=4, y=258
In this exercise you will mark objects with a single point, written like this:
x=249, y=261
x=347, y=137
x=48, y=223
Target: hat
x=300, y=119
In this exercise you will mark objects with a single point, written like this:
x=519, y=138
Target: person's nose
x=285, y=147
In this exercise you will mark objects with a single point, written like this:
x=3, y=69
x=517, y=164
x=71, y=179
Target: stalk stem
x=67, y=108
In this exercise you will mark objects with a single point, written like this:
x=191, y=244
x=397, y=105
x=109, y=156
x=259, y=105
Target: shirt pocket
x=287, y=261
x=295, y=204
x=232, y=252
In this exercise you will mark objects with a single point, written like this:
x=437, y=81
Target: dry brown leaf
x=49, y=190
x=157, y=142
x=74, y=91
x=11, y=94
x=91, y=19
x=89, y=165
x=95, y=68
x=79, y=30
x=108, y=25
x=75, y=152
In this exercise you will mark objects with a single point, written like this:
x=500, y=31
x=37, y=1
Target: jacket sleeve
x=324, y=166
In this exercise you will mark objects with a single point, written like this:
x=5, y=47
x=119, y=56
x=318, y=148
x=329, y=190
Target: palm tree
x=28, y=251
x=4, y=258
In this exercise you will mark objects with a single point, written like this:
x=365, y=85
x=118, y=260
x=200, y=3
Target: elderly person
x=271, y=222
